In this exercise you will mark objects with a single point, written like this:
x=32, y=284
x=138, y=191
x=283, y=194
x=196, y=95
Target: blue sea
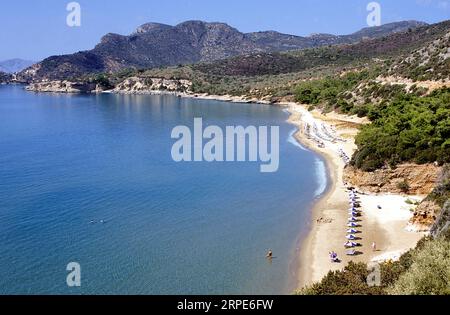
x=90, y=179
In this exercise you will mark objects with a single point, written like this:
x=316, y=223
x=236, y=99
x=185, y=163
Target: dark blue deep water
x=67, y=162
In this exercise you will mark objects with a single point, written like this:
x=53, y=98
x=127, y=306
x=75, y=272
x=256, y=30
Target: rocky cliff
x=405, y=178
x=62, y=87
x=413, y=179
x=135, y=85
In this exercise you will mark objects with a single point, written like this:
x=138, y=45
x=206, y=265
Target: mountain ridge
x=155, y=45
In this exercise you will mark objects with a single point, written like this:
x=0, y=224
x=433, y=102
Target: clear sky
x=35, y=29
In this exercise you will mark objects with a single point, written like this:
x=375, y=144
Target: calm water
x=170, y=228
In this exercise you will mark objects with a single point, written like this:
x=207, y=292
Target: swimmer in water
x=269, y=254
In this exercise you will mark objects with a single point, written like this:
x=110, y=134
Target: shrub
x=429, y=273
x=352, y=280
x=410, y=128
x=403, y=186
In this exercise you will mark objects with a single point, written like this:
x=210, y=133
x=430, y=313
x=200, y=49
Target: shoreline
x=183, y=94
x=305, y=271
x=327, y=229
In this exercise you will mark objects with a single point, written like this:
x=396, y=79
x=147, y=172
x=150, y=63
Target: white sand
x=393, y=207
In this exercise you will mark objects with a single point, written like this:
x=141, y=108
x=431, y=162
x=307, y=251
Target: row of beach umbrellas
x=352, y=223
x=344, y=156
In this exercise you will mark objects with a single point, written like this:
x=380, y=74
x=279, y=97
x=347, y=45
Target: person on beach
x=269, y=254
x=374, y=246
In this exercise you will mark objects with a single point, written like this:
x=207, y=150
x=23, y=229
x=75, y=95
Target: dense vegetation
x=410, y=128
x=423, y=270
x=333, y=91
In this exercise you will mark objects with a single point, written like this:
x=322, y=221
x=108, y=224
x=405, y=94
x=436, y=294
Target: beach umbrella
x=350, y=244
x=352, y=224
x=352, y=219
x=352, y=231
x=351, y=237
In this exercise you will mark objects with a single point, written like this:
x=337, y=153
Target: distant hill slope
x=393, y=45
x=156, y=45
x=274, y=76
x=15, y=65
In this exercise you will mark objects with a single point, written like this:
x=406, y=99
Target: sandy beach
x=387, y=227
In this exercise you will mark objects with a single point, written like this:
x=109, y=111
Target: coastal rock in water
x=421, y=179
x=62, y=87
x=153, y=85
x=5, y=77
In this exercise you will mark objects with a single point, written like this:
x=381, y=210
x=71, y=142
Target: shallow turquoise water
x=169, y=228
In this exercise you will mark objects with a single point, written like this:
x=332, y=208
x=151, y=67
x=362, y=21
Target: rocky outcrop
x=434, y=211
x=145, y=85
x=62, y=87
x=405, y=178
x=408, y=178
x=132, y=85
x=424, y=216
